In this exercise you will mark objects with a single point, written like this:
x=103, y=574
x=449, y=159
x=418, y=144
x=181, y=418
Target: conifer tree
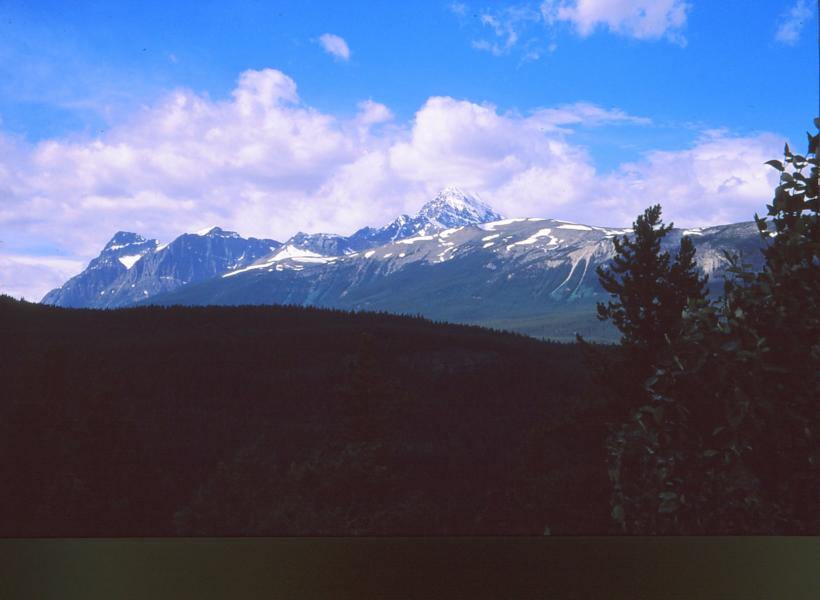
x=650, y=291
x=728, y=442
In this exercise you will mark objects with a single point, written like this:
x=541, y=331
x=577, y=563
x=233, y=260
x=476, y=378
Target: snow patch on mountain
x=492, y=225
x=611, y=233
x=289, y=251
x=585, y=254
x=448, y=232
x=215, y=231
x=553, y=241
x=130, y=260
x=413, y=240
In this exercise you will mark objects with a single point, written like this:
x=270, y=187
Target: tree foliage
x=277, y=420
x=649, y=292
x=728, y=441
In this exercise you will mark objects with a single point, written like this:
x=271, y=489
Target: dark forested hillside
x=284, y=420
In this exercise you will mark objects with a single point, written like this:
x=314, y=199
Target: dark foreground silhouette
x=291, y=421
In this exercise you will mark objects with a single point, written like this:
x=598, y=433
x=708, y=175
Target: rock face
x=456, y=260
x=131, y=268
x=90, y=287
x=536, y=276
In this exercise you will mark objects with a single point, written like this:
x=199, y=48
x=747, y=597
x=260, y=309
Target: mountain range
x=456, y=260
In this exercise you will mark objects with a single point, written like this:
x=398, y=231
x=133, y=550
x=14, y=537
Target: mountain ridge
x=456, y=260
x=535, y=276
x=106, y=290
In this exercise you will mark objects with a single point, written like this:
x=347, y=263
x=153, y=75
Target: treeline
x=722, y=435
x=291, y=421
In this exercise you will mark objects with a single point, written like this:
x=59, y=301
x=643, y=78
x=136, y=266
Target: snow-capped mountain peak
x=453, y=207
x=216, y=232
x=125, y=239
x=126, y=248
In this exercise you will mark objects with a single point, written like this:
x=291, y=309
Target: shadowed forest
x=291, y=421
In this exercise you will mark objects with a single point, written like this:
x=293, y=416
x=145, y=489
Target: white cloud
x=530, y=28
x=792, y=22
x=507, y=25
x=335, y=45
x=371, y=113
x=720, y=179
x=640, y=19
x=262, y=163
x=29, y=277
x=176, y=164
x=456, y=141
x=584, y=113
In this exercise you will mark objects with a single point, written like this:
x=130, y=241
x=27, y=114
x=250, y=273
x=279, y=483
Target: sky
x=269, y=118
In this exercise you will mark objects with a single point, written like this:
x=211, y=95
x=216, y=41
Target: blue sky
x=535, y=105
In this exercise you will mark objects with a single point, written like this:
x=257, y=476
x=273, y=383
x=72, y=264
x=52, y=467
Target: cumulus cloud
x=472, y=144
x=720, y=179
x=263, y=163
x=183, y=162
x=640, y=19
x=792, y=22
x=28, y=277
x=371, y=113
x=335, y=45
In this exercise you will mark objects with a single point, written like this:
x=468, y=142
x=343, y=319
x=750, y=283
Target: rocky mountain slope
x=456, y=260
x=131, y=268
x=531, y=275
